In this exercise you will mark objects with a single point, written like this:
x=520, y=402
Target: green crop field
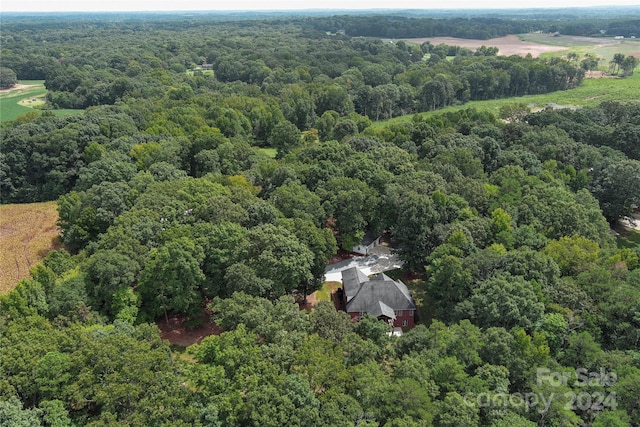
x=22, y=100
x=592, y=92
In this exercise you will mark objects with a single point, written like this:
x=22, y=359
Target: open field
x=592, y=92
x=23, y=98
x=509, y=45
x=603, y=48
x=544, y=44
x=567, y=41
x=27, y=233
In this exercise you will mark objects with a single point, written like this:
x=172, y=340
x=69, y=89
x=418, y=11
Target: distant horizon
x=142, y=6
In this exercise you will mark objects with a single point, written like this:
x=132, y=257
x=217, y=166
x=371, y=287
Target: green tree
x=629, y=65
x=617, y=418
x=8, y=78
x=350, y=202
x=54, y=413
x=345, y=128
x=171, y=279
x=616, y=62
x=457, y=411
x=27, y=298
x=573, y=254
x=627, y=390
x=239, y=277
x=372, y=329
x=416, y=218
x=285, y=137
x=23, y=343
x=224, y=244
x=329, y=323
x=617, y=187
x=501, y=227
x=582, y=351
x=321, y=363
x=109, y=272
x=277, y=254
x=236, y=351
x=12, y=413
x=589, y=63
x=503, y=300
x=555, y=327
x=449, y=284
x=52, y=373
x=321, y=242
x=136, y=377
x=513, y=420
x=296, y=201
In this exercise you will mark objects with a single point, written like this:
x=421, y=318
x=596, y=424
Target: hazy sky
x=144, y=5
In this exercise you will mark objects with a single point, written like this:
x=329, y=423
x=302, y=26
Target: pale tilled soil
x=509, y=45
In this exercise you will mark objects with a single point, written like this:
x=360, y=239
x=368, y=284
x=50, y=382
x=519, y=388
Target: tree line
x=321, y=69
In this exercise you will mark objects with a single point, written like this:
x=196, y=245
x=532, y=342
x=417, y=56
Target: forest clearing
x=27, y=96
x=12, y=100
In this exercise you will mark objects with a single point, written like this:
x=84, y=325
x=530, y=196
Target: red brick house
x=380, y=296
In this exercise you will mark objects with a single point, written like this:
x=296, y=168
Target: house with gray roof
x=379, y=296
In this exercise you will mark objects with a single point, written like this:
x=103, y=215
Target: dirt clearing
x=179, y=333
x=16, y=89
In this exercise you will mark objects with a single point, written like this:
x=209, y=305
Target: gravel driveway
x=381, y=259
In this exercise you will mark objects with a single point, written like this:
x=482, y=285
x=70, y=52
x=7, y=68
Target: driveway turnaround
x=380, y=260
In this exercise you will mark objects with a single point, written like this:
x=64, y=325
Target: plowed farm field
x=27, y=233
x=509, y=45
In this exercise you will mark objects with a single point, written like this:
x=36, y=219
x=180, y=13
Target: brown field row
x=27, y=233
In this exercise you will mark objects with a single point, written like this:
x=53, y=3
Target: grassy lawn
x=604, y=48
x=628, y=238
x=204, y=72
x=271, y=152
x=324, y=293
x=16, y=102
x=626, y=47
x=27, y=233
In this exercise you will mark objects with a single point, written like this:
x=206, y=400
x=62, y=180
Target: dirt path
x=16, y=88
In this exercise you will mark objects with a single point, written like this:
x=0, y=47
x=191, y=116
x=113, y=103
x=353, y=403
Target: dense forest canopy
x=220, y=164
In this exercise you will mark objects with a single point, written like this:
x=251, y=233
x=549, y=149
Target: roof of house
x=369, y=238
x=378, y=296
x=351, y=279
